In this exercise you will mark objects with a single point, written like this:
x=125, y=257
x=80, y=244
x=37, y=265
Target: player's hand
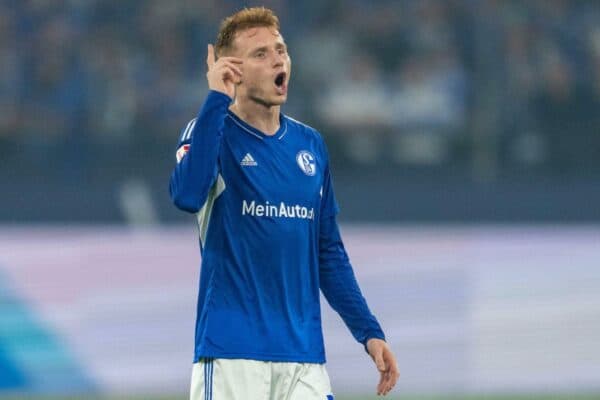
x=223, y=74
x=385, y=361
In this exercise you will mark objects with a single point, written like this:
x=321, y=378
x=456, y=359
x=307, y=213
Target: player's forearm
x=195, y=172
x=344, y=296
x=338, y=284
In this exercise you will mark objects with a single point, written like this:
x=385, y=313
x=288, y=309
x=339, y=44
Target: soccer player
x=259, y=183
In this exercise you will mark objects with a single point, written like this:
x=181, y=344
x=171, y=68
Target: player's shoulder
x=302, y=128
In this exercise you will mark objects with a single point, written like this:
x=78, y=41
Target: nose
x=278, y=60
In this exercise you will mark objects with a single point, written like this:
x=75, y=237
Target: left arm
x=340, y=288
x=339, y=285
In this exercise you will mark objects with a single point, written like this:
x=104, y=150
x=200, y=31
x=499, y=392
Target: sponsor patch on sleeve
x=181, y=152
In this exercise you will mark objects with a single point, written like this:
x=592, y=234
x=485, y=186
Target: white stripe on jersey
x=187, y=130
x=189, y=135
x=203, y=216
x=284, y=132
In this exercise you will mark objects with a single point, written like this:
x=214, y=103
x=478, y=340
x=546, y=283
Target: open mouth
x=280, y=79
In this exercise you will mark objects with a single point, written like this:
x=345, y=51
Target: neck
x=263, y=117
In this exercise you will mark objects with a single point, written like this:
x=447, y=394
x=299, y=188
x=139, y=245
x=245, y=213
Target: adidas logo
x=248, y=161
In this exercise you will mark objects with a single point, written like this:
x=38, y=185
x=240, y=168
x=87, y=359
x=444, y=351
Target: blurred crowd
x=493, y=84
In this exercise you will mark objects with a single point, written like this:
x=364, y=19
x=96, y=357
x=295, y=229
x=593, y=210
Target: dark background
x=434, y=111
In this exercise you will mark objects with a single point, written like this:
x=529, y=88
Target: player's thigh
x=313, y=384
x=229, y=379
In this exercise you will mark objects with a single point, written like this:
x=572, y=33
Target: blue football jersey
x=269, y=240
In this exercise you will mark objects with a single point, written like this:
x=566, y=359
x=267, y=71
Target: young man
x=260, y=185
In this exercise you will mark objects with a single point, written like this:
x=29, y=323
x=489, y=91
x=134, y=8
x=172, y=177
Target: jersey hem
x=260, y=357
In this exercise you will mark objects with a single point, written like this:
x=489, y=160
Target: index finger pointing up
x=210, y=58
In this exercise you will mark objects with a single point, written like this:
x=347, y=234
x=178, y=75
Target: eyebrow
x=258, y=49
x=278, y=45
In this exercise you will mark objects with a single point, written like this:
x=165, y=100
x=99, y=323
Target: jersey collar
x=258, y=133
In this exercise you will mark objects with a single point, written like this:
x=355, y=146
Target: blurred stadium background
x=465, y=141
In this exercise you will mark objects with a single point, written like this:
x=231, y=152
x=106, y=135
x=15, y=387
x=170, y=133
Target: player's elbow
x=185, y=205
x=183, y=200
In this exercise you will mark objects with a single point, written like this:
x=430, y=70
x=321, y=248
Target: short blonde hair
x=244, y=19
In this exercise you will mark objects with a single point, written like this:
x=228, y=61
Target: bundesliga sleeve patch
x=181, y=152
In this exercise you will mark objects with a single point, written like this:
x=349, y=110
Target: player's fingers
x=381, y=384
x=228, y=67
x=210, y=56
x=385, y=382
x=234, y=60
x=391, y=380
x=229, y=74
x=395, y=375
x=234, y=68
x=391, y=374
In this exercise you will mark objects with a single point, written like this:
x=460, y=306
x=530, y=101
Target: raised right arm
x=198, y=150
x=197, y=154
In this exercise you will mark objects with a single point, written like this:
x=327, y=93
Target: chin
x=279, y=99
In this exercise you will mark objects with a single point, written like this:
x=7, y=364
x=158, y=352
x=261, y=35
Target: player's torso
x=260, y=259
x=271, y=180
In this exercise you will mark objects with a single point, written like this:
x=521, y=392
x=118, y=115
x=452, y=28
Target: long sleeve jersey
x=269, y=239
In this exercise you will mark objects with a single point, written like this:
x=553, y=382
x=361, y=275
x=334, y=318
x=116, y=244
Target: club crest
x=306, y=162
